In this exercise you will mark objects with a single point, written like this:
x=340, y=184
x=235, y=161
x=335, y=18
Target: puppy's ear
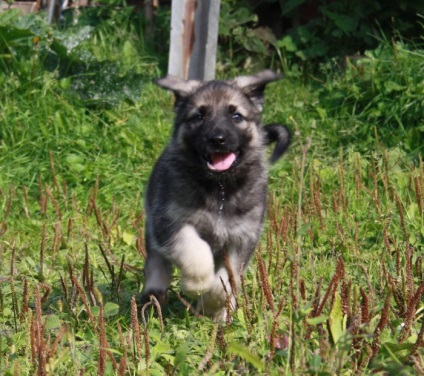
x=181, y=88
x=253, y=86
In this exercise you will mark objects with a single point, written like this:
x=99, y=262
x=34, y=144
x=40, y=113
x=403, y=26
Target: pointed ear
x=254, y=86
x=181, y=88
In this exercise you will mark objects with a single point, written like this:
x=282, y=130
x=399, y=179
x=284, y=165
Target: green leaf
x=162, y=348
x=315, y=362
x=287, y=43
x=397, y=351
x=128, y=238
x=65, y=83
x=346, y=23
x=110, y=309
x=304, y=229
x=290, y=5
x=53, y=322
x=6, y=18
x=246, y=354
x=95, y=311
x=11, y=34
x=75, y=162
x=336, y=320
x=413, y=211
x=19, y=340
x=317, y=320
x=240, y=316
x=181, y=354
x=393, y=86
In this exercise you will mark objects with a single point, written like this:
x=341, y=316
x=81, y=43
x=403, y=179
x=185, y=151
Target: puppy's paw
x=216, y=314
x=195, y=285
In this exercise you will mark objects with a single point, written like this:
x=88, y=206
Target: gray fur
x=198, y=209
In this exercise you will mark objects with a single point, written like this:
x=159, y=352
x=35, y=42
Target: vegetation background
x=336, y=286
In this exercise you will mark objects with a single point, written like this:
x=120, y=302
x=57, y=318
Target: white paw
x=193, y=257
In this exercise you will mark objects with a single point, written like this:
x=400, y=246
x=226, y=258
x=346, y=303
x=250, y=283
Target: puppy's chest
x=228, y=230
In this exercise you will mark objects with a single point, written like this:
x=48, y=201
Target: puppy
x=206, y=198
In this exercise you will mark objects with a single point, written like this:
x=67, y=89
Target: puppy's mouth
x=221, y=161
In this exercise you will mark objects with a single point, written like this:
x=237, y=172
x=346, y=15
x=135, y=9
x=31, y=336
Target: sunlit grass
x=335, y=288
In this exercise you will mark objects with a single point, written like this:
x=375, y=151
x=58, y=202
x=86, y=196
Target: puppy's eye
x=237, y=117
x=197, y=118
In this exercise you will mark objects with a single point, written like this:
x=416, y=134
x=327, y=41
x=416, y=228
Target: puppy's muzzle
x=222, y=153
x=217, y=140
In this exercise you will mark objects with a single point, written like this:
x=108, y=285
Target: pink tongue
x=221, y=161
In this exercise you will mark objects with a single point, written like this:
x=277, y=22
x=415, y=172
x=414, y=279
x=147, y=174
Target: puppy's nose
x=217, y=139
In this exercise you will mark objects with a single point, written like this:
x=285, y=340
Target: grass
x=336, y=286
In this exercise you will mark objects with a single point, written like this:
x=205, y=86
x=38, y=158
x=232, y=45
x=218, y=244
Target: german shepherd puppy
x=206, y=198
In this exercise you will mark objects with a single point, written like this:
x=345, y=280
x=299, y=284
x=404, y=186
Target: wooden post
x=194, y=37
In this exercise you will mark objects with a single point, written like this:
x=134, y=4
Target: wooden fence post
x=194, y=36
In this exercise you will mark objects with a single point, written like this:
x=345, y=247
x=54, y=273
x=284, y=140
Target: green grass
x=334, y=288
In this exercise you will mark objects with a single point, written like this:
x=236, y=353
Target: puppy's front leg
x=212, y=302
x=193, y=256
x=157, y=272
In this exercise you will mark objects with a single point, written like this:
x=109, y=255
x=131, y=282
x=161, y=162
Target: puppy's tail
x=280, y=135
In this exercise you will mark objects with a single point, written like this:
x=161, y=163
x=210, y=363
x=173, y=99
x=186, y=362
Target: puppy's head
x=217, y=123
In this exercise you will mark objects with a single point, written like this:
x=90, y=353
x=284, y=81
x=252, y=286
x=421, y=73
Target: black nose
x=217, y=139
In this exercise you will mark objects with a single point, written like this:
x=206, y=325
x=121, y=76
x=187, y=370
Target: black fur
x=280, y=135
